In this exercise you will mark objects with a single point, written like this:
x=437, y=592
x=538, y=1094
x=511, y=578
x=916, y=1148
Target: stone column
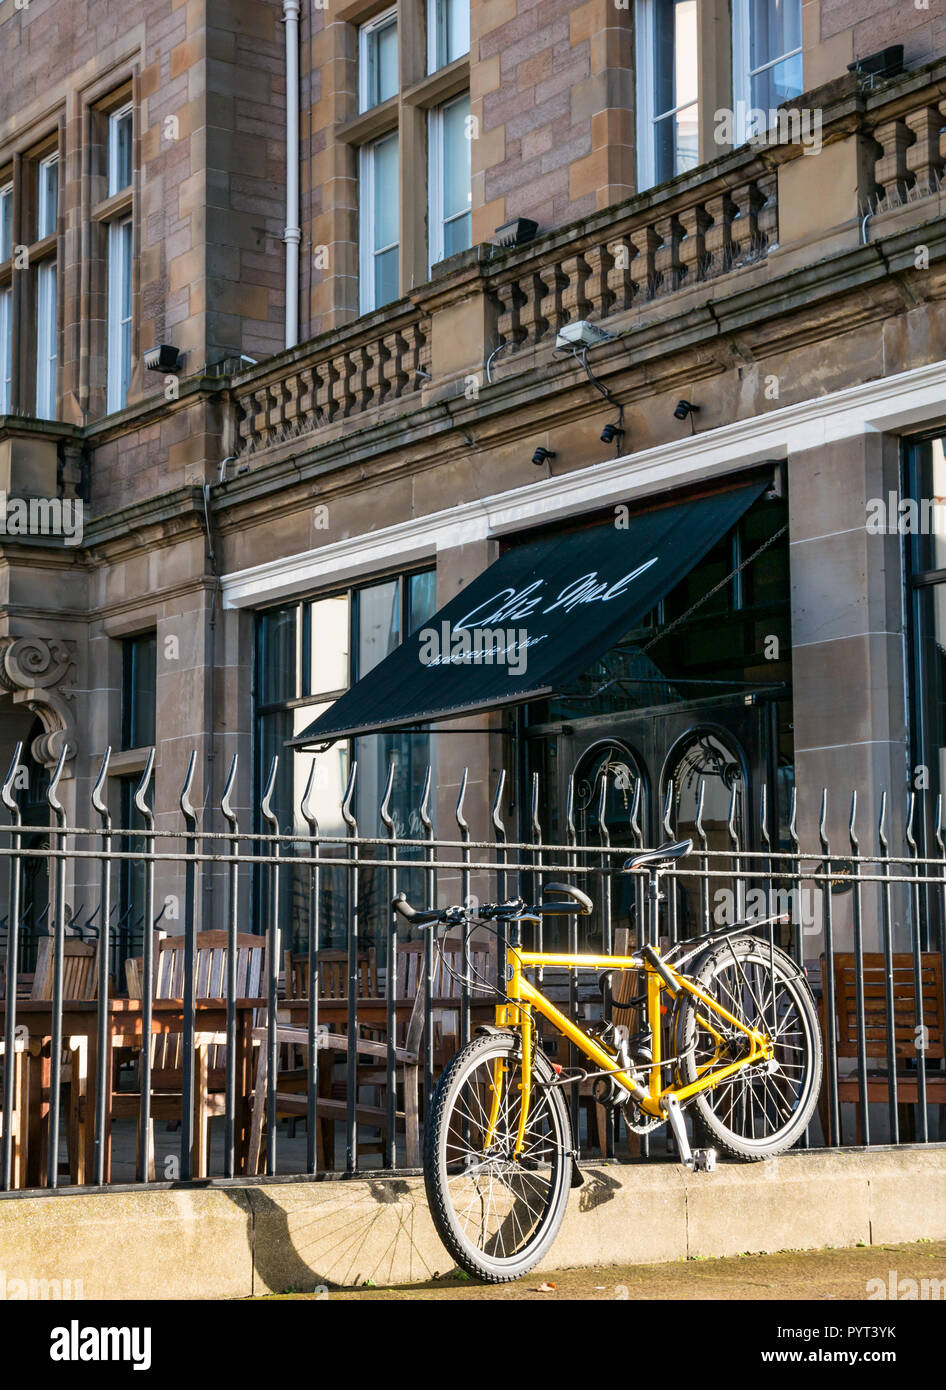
x=847, y=652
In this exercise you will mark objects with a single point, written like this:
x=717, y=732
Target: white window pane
x=675, y=54
x=48, y=196
x=385, y=277
x=458, y=28
x=379, y=62
x=387, y=62
x=46, y=342
x=385, y=193
x=774, y=29
x=6, y=349
x=456, y=158
x=331, y=775
x=448, y=31
x=458, y=235
x=120, y=161
x=329, y=645
x=776, y=84
x=379, y=628
x=119, y=313
x=123, y=152
x=6, y=223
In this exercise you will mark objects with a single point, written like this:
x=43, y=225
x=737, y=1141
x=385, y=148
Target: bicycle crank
x=697, y=1160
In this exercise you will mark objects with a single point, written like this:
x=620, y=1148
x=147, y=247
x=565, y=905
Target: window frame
x=47, y=338
x=440, y=10
x=120, y=268
x=6, y=349
x=436, y=221
x=43, y=230
x=6, y=192
x=131, y=646
x=742, y=75
x=127, y=109
x=367, y=251
x=645, y=30
x=366, y=32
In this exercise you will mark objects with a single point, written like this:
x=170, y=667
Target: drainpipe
x=292, y=235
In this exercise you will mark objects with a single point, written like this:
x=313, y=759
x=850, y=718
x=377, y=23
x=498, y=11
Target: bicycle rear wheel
x=763, y=1109
x=497, y=1215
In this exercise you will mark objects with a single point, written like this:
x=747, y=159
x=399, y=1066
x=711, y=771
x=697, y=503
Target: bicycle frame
x=523, y=997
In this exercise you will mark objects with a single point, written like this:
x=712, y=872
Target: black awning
x=532, y=621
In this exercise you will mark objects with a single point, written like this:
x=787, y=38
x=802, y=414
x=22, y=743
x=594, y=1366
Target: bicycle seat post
x=654, y=898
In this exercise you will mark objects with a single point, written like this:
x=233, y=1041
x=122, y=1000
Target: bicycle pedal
x=704, y=1160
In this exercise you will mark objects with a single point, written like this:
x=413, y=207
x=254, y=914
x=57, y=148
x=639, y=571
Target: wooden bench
x=877, y=1024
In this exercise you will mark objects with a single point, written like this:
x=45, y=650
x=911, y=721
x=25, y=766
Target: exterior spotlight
x=684, y=408
x=610, y=433
x=542, y=456
x=163, y=358
x=517, y=232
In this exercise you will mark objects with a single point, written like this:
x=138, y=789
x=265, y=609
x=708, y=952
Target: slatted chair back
x=80, y=975
x=333, y=974
x=905, y=1013
x=447, y=983
x=211, y=983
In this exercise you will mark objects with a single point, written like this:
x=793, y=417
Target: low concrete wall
x=230, y=1240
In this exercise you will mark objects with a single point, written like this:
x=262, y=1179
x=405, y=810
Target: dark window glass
x=139, y=690
x=277, y=655
x=338, y=640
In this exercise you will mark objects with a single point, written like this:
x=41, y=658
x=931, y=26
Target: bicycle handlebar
x=579, y=902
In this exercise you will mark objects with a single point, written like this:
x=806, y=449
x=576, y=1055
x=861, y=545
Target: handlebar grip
x=576, y=894
x=410, y=914
x=401, y=905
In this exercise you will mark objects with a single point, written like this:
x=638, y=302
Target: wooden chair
x=877, y=1024
x=167, y=1048
x=332, y=1108
x=19, y=1119
x=80, y=982
x=333, y=974
x=446, y=985
x=80, y=976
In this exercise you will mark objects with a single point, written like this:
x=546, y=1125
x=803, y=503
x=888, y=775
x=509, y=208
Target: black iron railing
x=866, y=922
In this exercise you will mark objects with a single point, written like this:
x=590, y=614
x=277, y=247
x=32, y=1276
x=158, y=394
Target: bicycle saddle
x=662, y=855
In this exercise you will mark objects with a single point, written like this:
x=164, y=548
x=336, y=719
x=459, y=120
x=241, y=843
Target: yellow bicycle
x=735, y=1037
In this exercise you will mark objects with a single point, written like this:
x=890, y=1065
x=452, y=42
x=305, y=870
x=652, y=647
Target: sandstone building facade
x=744, y=195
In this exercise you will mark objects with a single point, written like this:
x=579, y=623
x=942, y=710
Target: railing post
x=312, y=974
x=387, y=820
x=886, y=918
x=148, y=966
x=190, y=973
x=832, y=1139
x=859, y=973
x=916, y=944
x=12, y=963
x=351, y=1123
x=430, y=889
x=59, y=951
x=102, y=1047
x=272, y=958
x=233, y=868
x=465, y=1015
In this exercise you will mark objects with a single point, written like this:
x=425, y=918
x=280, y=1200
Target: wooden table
x=124, y=1026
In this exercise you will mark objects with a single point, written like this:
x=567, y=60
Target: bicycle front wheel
x=496, y=1214
x=761, y=1109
